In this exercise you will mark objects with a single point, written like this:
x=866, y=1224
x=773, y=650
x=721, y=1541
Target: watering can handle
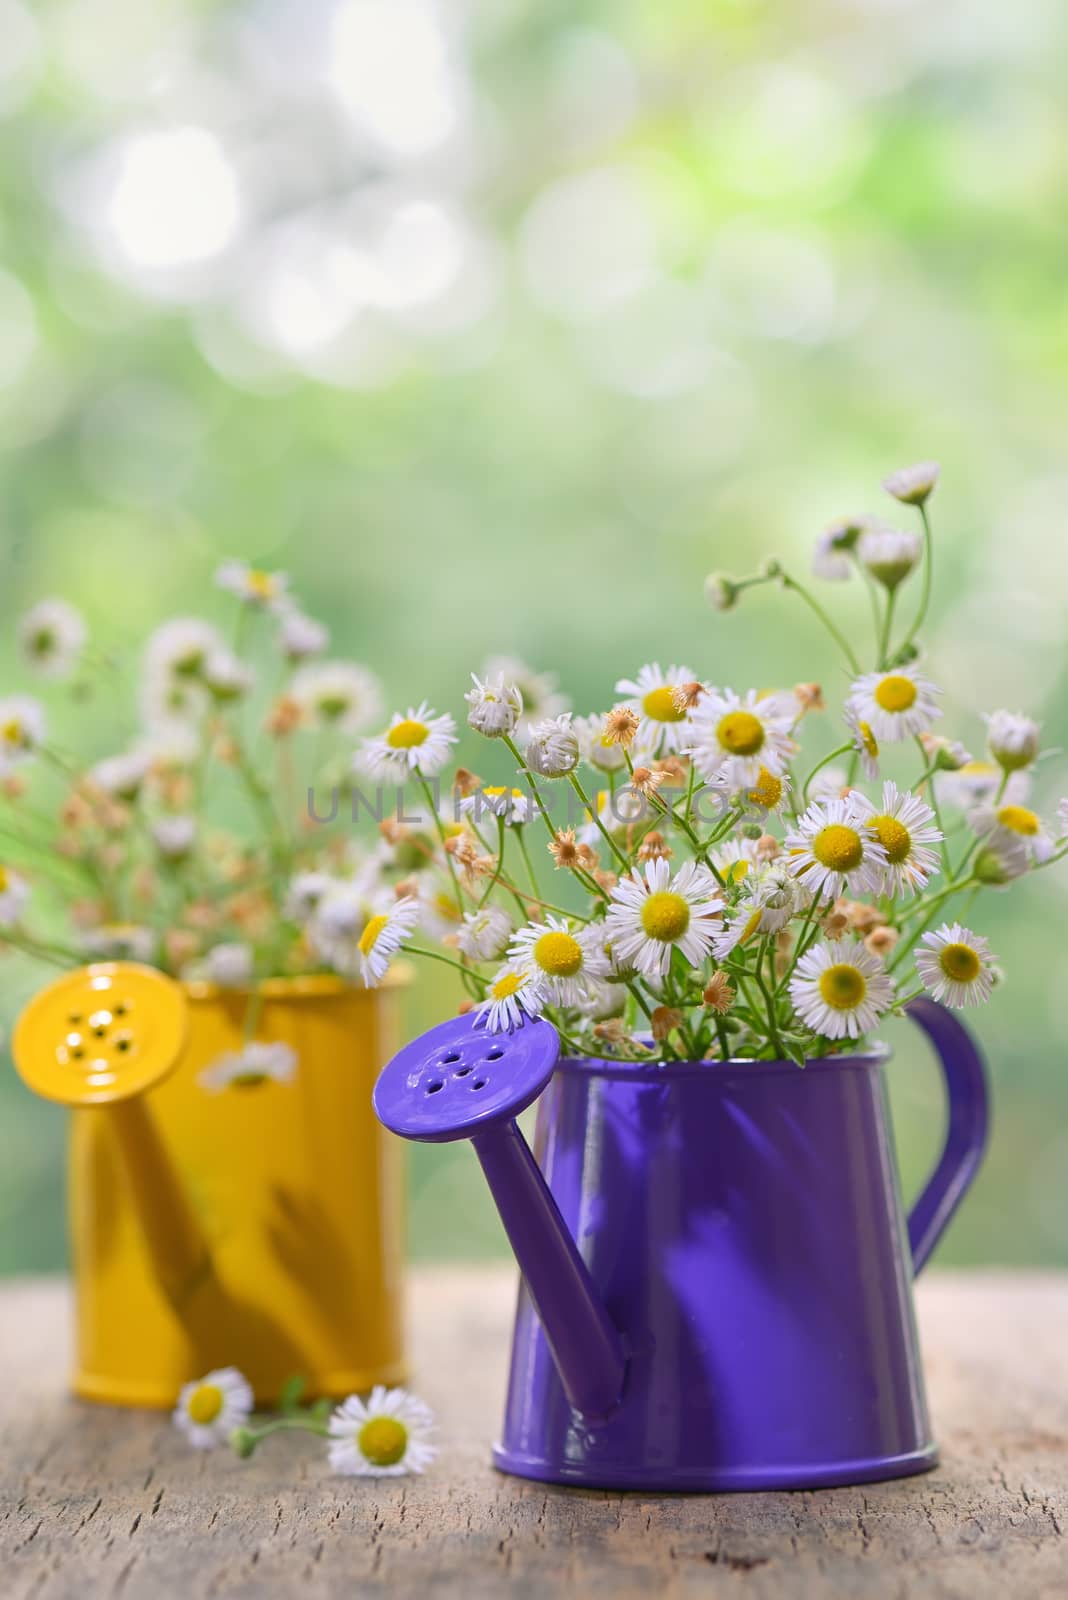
x=962, y=1153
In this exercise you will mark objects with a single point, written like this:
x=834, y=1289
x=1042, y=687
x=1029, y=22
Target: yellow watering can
x=251, y=1222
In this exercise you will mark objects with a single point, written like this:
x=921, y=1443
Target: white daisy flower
x=251, y=584
x=14, y=893
x=119, y=941
x=226, y=677
x=743, y=922
x=562, y=960
x=978, y=783
x=735, y=739
x=1013, y=740
x=775, y=893
x=594, y=747
x=210, y=1408
x=122, y=775
x=651, y=915
x=552, y=747
x=866, y=746
x=180, y=648
x=735, y=858
x=662, y=727
x=895, y=705
x=485, y=933
x=418, y=742
x=384, y=1436
x=769, y=792
x=340, y=916
x=840, y=990
x=889, y=554
x=1001, y=860
x=22, y=728
x=514, y=995
x=494, y=706
x=538, y=691
x=720, y=591
x=511, y=805
x=830, y=559
x=832, y=851
x=337, y=695
x=905, y=827
x=913, y=485
x=255, y=1064
x=306, y=891
x=51, y=636
x=300, y=636
x=1001, y=824
x=383, y=936
x=956, y=967
x=230, y=965
x=174, y=836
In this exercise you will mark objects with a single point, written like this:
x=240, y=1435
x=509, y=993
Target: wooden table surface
x=95, y=1502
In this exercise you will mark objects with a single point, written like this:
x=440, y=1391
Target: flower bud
x=889, y=554
x=720, y=592
x=1013, y=740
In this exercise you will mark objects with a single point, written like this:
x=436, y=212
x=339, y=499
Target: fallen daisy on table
x=385, y=1436
x=210, y=1408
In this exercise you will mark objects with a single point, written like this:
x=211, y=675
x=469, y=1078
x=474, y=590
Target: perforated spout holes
x=459, y=1078
x=456, y=1064
x=102, y=1033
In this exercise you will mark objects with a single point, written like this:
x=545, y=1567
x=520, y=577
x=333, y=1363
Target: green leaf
x=292, y=1391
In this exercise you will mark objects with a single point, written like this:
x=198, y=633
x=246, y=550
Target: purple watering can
x=717, y=1274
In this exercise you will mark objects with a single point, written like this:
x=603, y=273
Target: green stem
x=925, y=593
x=884, y=635
x=436, y=955
x=836, y=634
x=619, y=854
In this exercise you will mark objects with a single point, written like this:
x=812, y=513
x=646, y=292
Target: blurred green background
x=497, y=324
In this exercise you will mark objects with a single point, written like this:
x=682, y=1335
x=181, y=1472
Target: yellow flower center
x=868, y=740
x=750, y=928
x=736, y=871
x=741, y=733
x=558, y=954
x=382, y=1441
x=893, y=836
x=370, y=935
x=510, y=984
x=767, y=791
x=843, y=986
x=205, y=1403
x=659, y=704
x=838, y=847
x=960, y=962
x=261, y=584
x=446, y=907
x=1018, y=819
x=11, y=732
x=895, y=693
x=665, y=916
x=248, y=1080
x=407, y=733
x=4, y=880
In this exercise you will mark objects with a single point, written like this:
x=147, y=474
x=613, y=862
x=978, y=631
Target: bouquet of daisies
x=665, y=879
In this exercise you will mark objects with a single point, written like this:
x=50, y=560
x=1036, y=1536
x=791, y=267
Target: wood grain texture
x=96, y=1502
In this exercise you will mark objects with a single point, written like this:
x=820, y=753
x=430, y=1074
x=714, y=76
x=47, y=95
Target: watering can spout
x=461, y=1081
x=99, y=1038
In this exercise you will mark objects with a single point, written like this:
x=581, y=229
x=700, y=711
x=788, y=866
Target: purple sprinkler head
x=459, y=1080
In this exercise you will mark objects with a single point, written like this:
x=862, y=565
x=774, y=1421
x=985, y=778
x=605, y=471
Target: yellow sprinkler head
x=101, y=1034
